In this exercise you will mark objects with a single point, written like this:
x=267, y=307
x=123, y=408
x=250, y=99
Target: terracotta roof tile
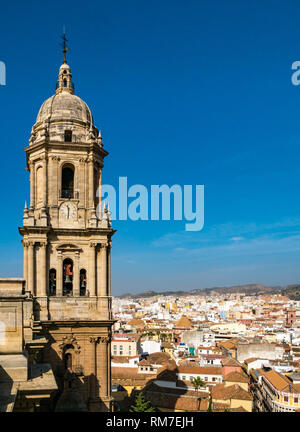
x=184, y=322
x=201, y=370
x=234, y=391
x=236, y=377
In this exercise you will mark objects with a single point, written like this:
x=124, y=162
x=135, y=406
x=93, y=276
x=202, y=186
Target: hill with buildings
x=292, y=291
x=250, y=289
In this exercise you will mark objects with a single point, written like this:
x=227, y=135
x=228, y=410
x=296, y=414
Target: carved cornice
x=100, y=339
x=68, y=248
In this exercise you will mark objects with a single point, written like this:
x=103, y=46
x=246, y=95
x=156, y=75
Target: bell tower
x=67, y=245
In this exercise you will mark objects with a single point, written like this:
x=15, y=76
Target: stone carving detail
x=70, y=340
x=100, y=339
x=93, y=244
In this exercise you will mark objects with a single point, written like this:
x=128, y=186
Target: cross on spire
x=65, y=48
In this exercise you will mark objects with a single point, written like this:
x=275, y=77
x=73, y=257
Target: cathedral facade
x=67, y=244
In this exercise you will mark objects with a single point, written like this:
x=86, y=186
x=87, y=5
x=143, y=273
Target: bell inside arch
x=68, y=279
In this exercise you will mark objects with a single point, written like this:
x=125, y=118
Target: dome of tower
x=64, y=106
x=65, y=113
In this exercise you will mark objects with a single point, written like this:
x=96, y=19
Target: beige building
x=67, y=242
x=125, y=347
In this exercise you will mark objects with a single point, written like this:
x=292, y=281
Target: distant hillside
x=251, y=289
x=292, y=291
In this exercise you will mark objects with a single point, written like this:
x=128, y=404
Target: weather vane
x=64, y=45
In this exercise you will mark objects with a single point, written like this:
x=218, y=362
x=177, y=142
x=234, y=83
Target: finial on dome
x=65, y=48
x=64, y=75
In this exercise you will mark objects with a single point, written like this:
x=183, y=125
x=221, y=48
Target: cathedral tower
x=67, y=243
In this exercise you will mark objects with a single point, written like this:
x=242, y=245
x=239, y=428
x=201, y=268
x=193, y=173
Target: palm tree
x=197, y=383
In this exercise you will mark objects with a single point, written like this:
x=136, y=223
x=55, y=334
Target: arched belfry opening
x=67, y=182
x=82, y=282
x=67, y=277
x=52, y=282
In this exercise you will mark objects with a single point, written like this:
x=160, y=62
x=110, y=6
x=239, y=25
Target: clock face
x=68, y=211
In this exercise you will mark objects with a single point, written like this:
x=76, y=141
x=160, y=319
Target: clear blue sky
x=185, y=92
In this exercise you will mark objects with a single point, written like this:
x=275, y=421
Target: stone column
x=44, y=192
x=51, y=176
x=103, y=271
x=98, y=270
x=108, y=269
x=109, y=366
x=91, y=184
x=100, y=192
x=31, y=267
x=81, y=182
x=103, y=367
x=94, y=385
x=59, y=276
x=91, y=279
x=86, y=184
x=43, y=270
x=25, y=263
x=32, y=184
x=76, y=277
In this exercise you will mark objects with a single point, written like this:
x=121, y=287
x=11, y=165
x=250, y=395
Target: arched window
x=82, y=282
x=65, y=82
x=68, y=277
x=52, y=282
x=67, y=182
x=68, y=361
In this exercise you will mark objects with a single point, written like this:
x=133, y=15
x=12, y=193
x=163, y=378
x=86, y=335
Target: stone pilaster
x=59, y=276
x=103, y=366
x=25, y=264
x=94, y=401
x=32, y=185
x=31, y=267
x=42, y=288
x=76, y=276
x=109, y=268
x=92, y=267
x=91, y=184
x=103, y=271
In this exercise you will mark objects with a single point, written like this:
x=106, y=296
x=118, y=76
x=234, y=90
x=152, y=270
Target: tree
x=141, y=404
x=197, y=383
x=209, y=409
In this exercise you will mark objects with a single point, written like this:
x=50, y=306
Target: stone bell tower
x=67, y=243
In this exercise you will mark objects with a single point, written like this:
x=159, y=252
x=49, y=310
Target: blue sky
x=193, y=92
